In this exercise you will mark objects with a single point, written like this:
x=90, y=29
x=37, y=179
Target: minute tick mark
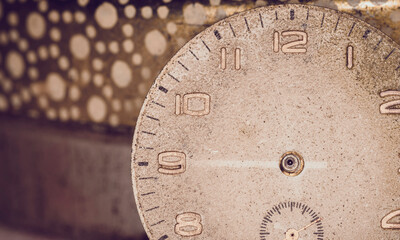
x=351, y=30
x=151, y=209
x=154, y=224
x=233, y=31
x=337, y=23
x=183, y=66
x=379, y=43
x=308, y=13
x=204, y=43
x=391, y=52
x=152, y=118
x=261, y=21
x=323, y=19
x=149, y=133
x=172, y=76
x=247, y=24
x=158, y=104
x=194, y=55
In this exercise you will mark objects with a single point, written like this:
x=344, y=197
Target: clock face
x=277, y=123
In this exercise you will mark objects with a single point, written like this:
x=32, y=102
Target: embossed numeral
x=188, y=224
x=350, y=56
x=237, y=58
x=194, y=104
x=296, y=46
x=392, y=107
x=171, y=163
x=385, y=221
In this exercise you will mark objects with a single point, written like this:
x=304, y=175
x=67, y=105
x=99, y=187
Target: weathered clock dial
x=273, y=106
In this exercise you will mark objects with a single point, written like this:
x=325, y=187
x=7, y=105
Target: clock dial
x=272, y=106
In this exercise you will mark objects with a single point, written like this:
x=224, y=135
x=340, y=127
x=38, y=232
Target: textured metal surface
x=93, y=62
x=251, y=88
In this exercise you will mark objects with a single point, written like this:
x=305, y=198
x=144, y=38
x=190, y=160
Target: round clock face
x=277, y=123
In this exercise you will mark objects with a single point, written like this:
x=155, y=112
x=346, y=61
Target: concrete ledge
x=70, y=182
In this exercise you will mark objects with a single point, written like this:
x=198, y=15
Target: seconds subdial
x=291, y=221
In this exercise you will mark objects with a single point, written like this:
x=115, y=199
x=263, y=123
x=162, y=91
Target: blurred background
x=73, y=76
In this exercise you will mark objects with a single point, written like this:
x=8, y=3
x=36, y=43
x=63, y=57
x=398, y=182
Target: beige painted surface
x=94, y=61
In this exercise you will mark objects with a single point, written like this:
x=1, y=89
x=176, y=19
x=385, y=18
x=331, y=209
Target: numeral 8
x=188, y=224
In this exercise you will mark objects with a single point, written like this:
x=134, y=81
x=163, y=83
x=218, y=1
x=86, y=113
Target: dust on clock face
x=275, y=105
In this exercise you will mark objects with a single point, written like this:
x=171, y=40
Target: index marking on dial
x=146, y=148
x=233, y=31
x=151, y=209
x=146, y=194
x=152, y=118
x=148, y=178
x=169, y=74
x=337, y=23
x=379, y=43
x=261, y=20
x=351, y=29
x=323, y=19
x=194, y=55
x=163, y=89
x=163, y=237
x=158, y=104
x=157, y=223
x=217, y=34
x=247, y=24
x=291, y=14
x=366, y=33
x=391, y=52
x=204, y=43
x=308, y=14
x=276, y=15
x=143, y=164
x=180, y=63
x=149, y=133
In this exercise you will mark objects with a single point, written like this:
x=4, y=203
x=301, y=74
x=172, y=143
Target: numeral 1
x=385, y=221
x=194, y=104
x=188, y=224
x=171, y=163
x=350, y=56
x=391, y=107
